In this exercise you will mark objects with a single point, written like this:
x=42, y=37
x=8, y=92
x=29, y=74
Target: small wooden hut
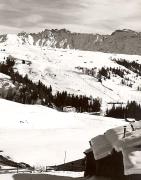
x=116, y=154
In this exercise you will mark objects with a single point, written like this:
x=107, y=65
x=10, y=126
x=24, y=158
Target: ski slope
x=40, y=136
x=57, y=67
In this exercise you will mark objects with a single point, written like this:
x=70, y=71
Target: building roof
x=125, y=139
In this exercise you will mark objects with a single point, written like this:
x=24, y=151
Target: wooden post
x=124, y=132
x=17, y=169
x=133, y=129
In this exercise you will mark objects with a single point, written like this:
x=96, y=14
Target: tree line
x=131, y=110
x=28, y=92
x=103, y=72
x=132, y=66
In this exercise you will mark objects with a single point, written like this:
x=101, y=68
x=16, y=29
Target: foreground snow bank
x=40, y=136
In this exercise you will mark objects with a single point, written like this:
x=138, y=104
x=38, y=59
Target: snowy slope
x=58, y=67
x=40, y=136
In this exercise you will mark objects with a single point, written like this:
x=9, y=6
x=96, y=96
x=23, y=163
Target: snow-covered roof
x=125, y=139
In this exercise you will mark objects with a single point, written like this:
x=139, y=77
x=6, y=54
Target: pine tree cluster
x=139, y=88
x=104, y=72
x=132, y=66
x=131, y=110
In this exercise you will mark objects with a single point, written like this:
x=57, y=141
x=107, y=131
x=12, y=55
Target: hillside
x=103, y=75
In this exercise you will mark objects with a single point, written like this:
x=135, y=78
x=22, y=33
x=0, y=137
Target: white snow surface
x=40, y=136
x=57, y=67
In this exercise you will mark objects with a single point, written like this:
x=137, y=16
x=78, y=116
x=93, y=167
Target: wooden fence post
x=17, y=170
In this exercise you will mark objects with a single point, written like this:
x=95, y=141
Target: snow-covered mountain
x=75, y=71
x=121, y=41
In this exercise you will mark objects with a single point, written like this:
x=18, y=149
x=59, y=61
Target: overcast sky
x=95, y=16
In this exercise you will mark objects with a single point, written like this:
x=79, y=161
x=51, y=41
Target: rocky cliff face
x=65, y=39
x=120, y=41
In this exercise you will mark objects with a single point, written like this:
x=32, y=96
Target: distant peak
x=123, y=30
x=60, y=30
x=23, y=33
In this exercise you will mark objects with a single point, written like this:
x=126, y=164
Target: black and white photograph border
x=70, y=90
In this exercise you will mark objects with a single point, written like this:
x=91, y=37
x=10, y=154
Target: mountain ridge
x=120, y=41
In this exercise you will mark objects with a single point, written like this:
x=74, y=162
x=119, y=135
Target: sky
x=89, y=16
